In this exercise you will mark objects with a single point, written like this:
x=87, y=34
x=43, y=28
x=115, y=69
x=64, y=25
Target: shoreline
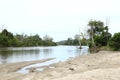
x=103, y=65
x=13, y=67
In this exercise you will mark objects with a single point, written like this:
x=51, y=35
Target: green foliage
x=103, y=39
x=99, y=35
x=114, y=42
x=75, y=42
x=48, y=41
x=96, y=26
x=61, y=42
x=32, y=40
x=90, y=44
x=7, y=39
x=71, y=41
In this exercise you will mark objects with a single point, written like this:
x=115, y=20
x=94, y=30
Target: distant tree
x=70, y=41
x=7, y=34
x=76, y=39
x=48, y=41
x=47, y=38
x=6, y=38
x=77, y=36
x=34, y=40
x=20, y=39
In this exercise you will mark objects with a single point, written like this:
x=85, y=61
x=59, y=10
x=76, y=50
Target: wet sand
x=104, y=65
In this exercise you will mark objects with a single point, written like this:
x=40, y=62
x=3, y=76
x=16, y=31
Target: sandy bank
x=8, y=71
x=104, y=65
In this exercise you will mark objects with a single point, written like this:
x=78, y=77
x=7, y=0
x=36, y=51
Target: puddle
x=37, y=67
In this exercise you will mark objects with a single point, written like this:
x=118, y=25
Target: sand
x=104, y=65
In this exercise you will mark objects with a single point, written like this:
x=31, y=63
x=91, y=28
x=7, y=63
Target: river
x=20, y=54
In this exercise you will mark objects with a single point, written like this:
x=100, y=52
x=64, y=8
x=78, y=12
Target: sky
x=59, y=19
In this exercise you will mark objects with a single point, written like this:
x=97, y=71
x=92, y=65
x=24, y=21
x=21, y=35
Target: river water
x=20, y=54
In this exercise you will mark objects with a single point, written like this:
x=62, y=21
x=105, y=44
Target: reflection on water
x=8, y=55
x=19, y=54
x=47, y=51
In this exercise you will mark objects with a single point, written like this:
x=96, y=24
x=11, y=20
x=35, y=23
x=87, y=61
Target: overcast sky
x=58, y=18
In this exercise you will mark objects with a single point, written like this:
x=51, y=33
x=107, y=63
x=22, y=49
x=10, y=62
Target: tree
x=69, y=41
x=96, y=26
x=99, y=33
x=114, y=42
x=20, y=39
x=47, y=38
x=34, y=40
x=6, y=38
x=48, y=41
x=76, y=39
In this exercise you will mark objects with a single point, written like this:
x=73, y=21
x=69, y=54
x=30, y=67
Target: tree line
x=7, y=39
x=96, y=36
x=76, y=41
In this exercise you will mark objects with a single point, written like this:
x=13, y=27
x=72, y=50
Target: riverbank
x=8, y=71
x=104, y=65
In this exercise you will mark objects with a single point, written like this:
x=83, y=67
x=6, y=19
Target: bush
x=114, y=42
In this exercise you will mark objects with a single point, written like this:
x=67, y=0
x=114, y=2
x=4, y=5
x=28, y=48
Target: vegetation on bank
x=7, y=39
x=74, y=41
x=99, y=37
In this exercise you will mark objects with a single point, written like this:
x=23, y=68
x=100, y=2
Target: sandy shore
x=104, y=65
x=8, y=71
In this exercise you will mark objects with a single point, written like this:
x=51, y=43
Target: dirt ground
x=104, y=65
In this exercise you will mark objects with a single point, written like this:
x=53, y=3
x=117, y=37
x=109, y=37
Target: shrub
x=114, y=42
